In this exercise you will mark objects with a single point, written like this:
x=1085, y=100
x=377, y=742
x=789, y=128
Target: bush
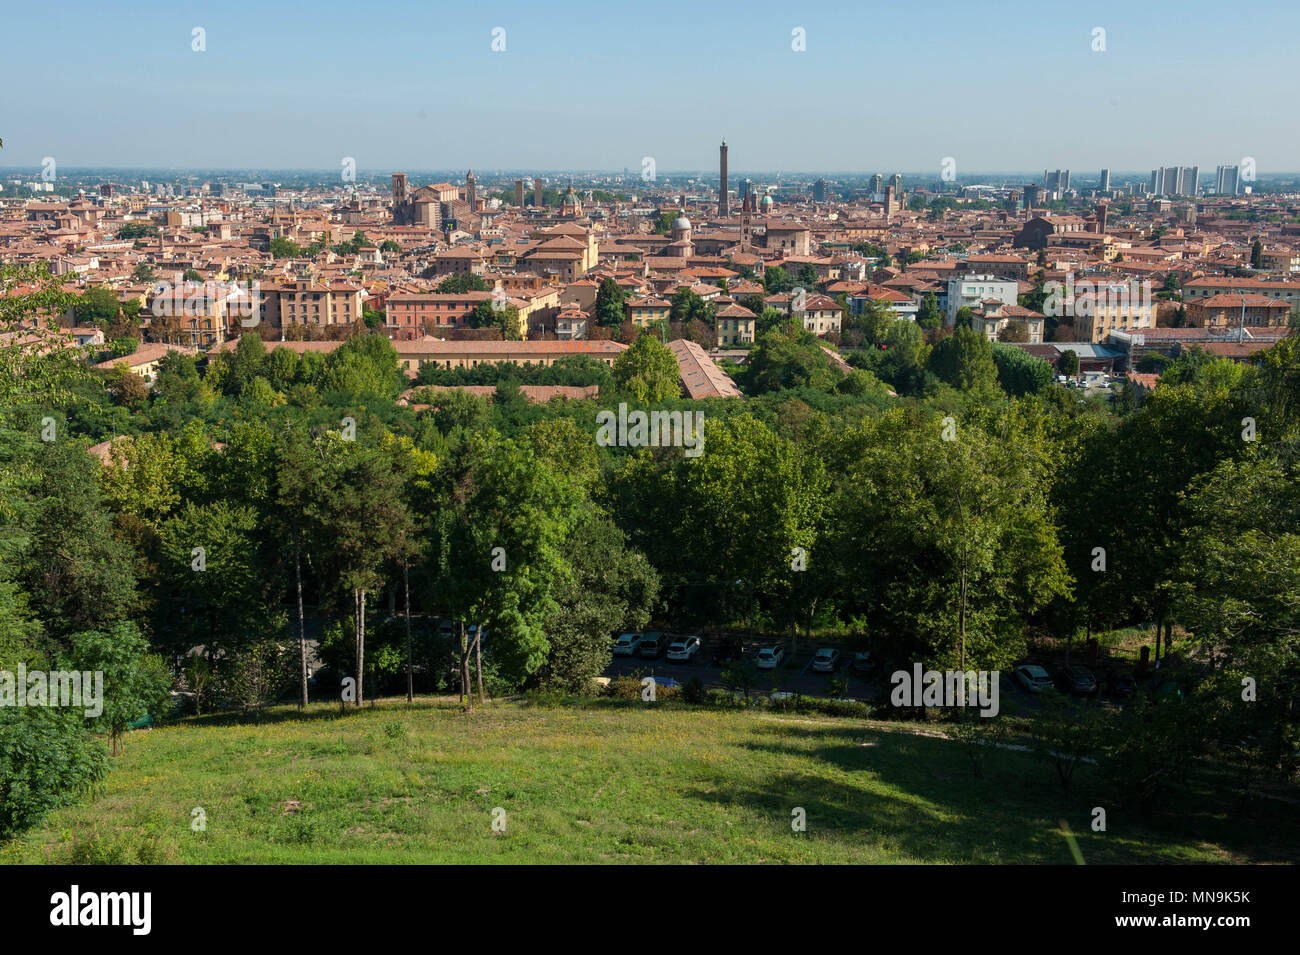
x=693, y=691
x=258, y=675
x=47, y=760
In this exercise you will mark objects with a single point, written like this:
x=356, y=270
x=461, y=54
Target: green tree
x=460, y=284
x=929, y=315
x=1020, y=373
x=361, y=509
x=136, y=680
x=788, y=358
x=283, y=248
x=610, y=307
x=647, y=371
x=212, y=591
x=964, y=360
x=98, y=306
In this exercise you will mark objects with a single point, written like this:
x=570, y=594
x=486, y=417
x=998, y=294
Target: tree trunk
x=302, y=630
x=356, y=630
x=465, y=690
x=961, y=636
x=410, y=676
x=361, y=647
x=478, y=662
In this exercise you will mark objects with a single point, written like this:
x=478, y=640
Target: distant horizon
x=29, y=171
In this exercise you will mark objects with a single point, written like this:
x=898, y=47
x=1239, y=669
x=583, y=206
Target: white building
x=968, y=291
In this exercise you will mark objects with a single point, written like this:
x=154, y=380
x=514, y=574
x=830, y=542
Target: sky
x=878, y=87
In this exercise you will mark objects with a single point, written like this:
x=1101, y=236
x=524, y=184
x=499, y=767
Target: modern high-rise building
x=877, y=184
x=1175, y=180
x=1227, y=180
x=1103, y=182
x=1058, y=181
x=896, y=180
x=723, y=207
x=819, y=190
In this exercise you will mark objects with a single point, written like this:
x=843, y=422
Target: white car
x=684, y=649
x=769, y=658
x=1032, y=678
x=626, y=644
x=826, y=660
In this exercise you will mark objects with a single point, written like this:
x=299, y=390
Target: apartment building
x=971, y=291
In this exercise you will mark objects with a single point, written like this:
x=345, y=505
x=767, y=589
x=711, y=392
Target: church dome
x=681, y=222
x=766, y=202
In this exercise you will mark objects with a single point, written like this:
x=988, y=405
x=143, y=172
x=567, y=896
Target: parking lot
x=793, y=675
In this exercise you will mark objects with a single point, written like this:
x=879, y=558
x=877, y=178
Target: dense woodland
x=949, y=498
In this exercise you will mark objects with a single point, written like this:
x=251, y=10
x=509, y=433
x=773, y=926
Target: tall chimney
x=723, y=207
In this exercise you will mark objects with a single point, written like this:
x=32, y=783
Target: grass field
x=612, y=782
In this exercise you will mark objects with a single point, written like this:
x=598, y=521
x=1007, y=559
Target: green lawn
x=611, y=782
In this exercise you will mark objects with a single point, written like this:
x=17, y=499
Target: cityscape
x=450, y=493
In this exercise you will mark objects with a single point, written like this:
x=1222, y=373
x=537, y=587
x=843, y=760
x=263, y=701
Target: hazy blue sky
x=881, y=87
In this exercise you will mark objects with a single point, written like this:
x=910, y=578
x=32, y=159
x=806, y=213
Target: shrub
x=47, y=760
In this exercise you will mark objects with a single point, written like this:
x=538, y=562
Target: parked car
x=1122, y=685
x=769, y=658
x=1033, y=678
x=684, y=649
x=661, y=681
x=626, y=644
x=1077, y=680
x=826, y=660
x=861, y=663
x=652, y=645
x=728, y=651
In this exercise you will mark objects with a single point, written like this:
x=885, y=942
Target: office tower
x=723, y=208
x=1033, y=195
x=1190, y=176
x=819, y=190
x=1104, y=183
x=1227, y=180
x=877, y=184
x=896, y=180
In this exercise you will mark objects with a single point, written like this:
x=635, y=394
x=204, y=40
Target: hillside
x=609, y=782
